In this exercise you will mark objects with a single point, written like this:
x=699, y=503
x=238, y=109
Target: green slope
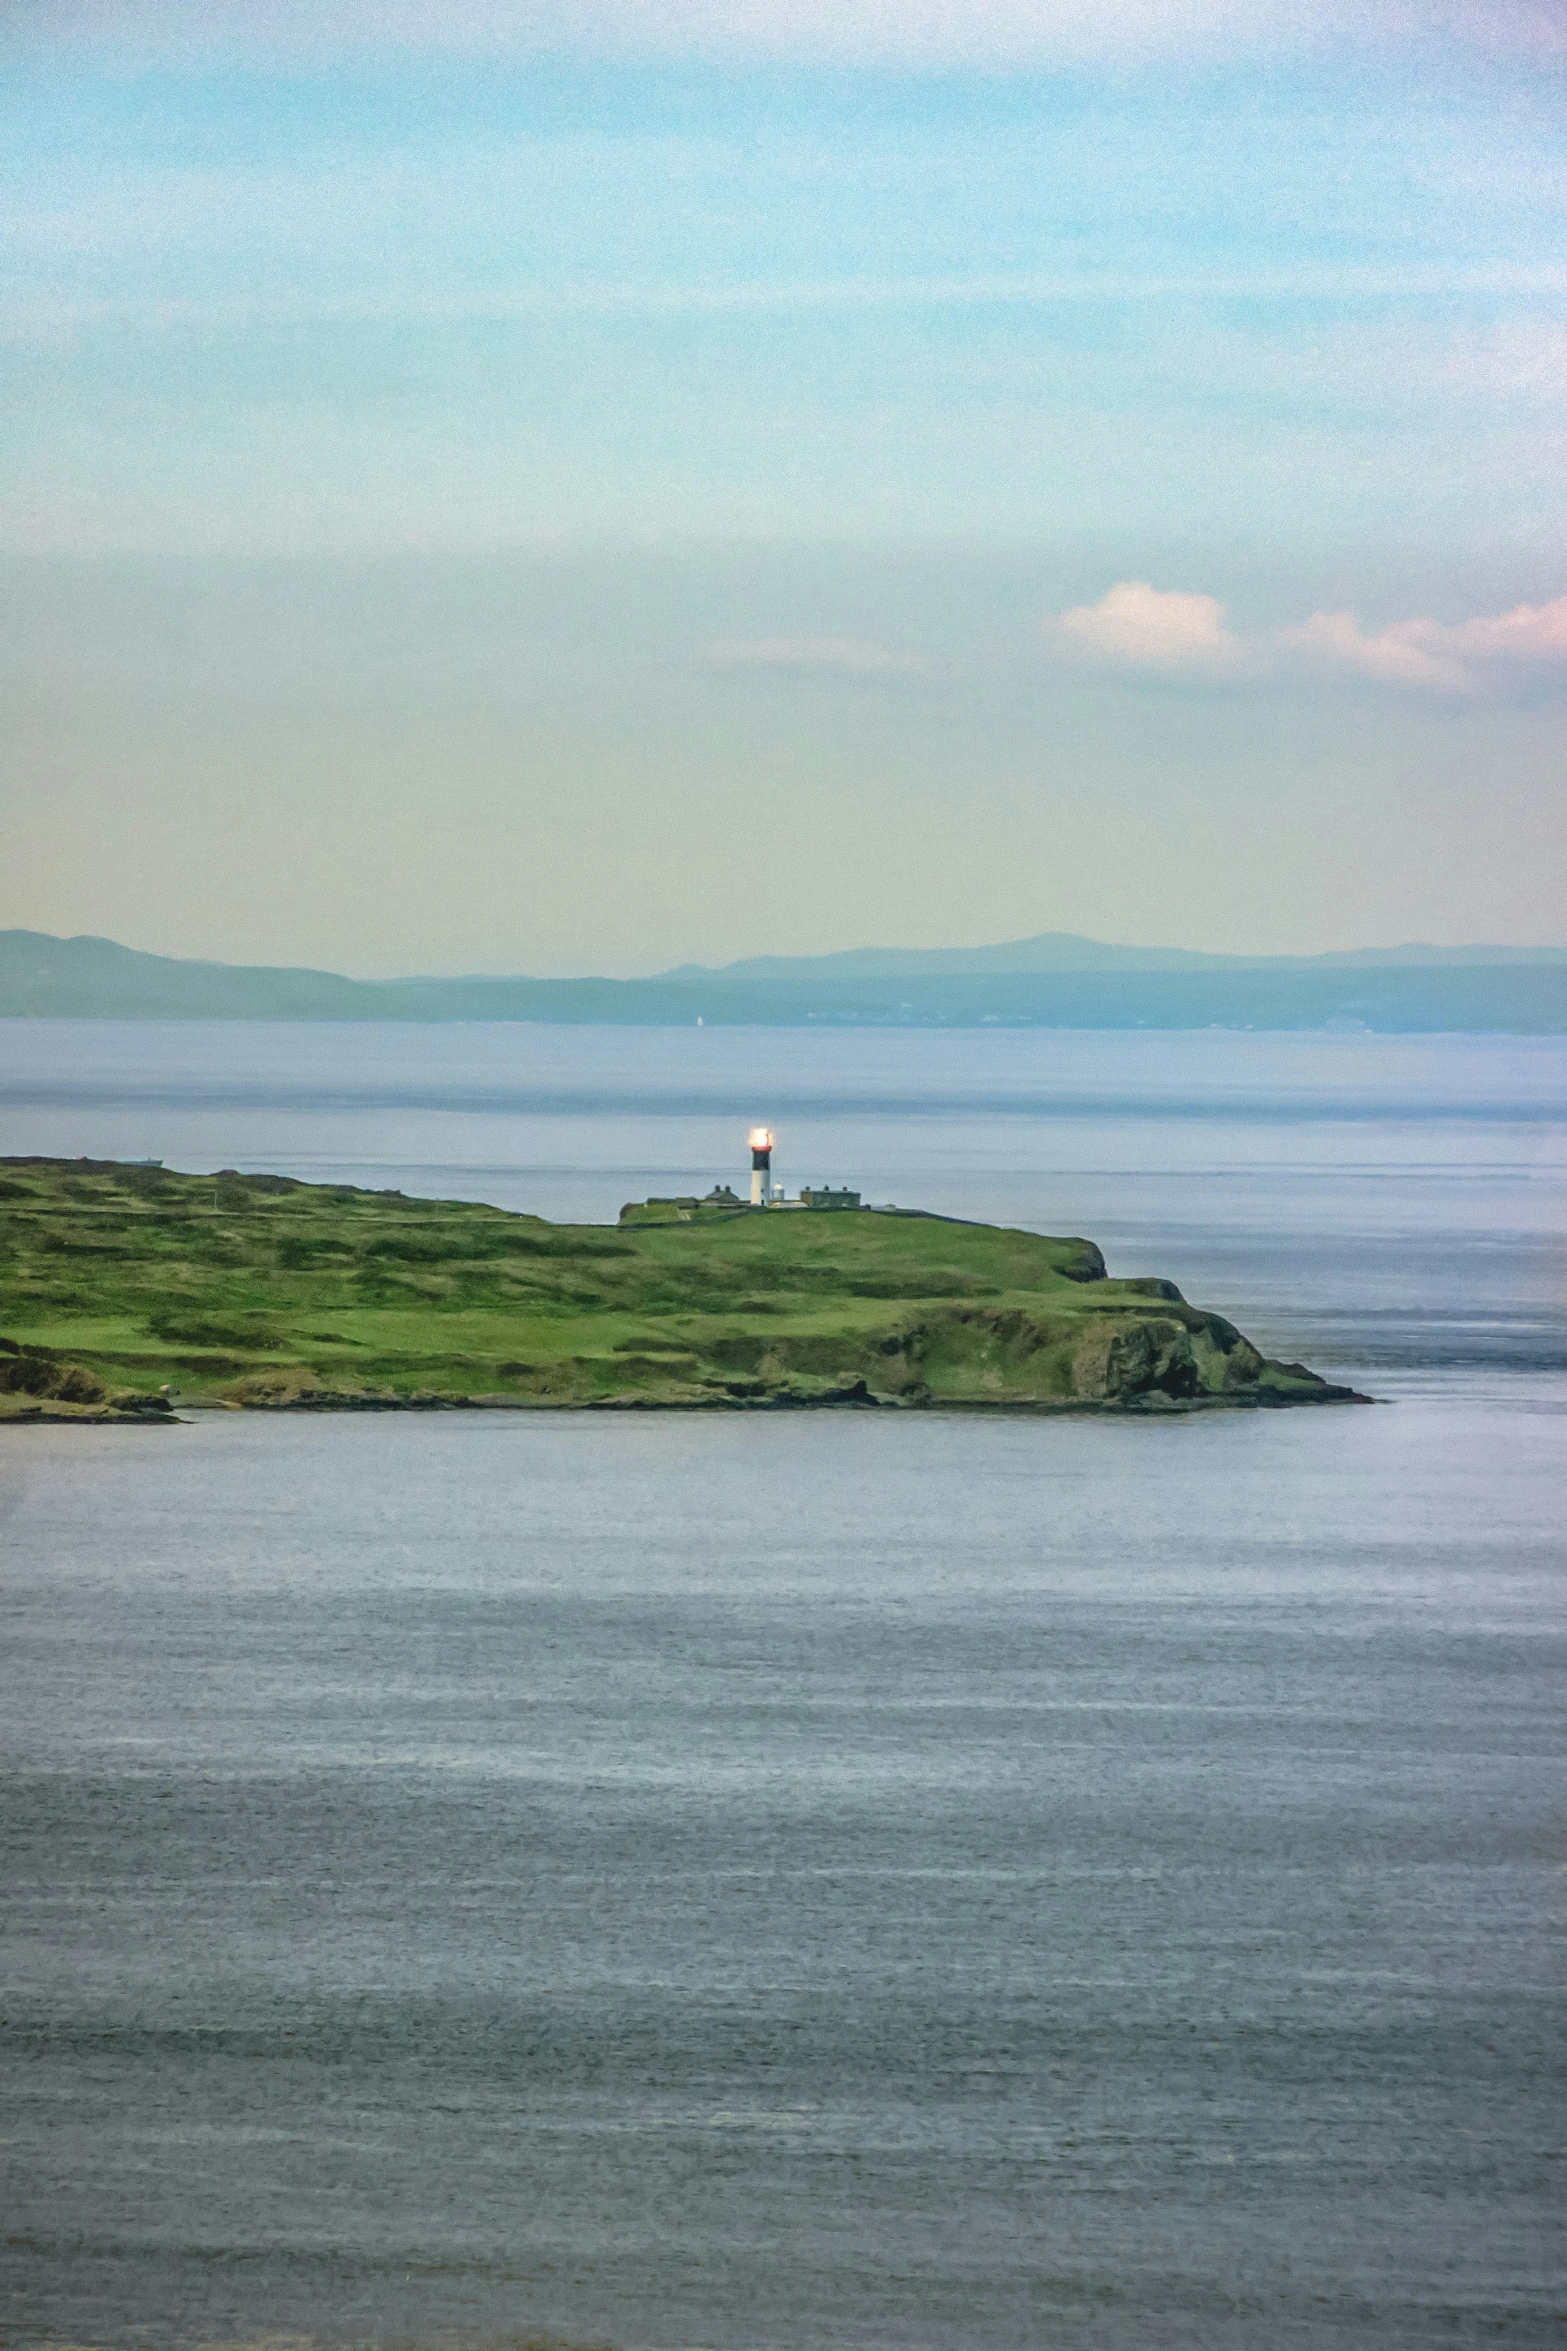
x=118, y=1281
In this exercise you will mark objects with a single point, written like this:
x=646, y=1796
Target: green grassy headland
x=120, y=1282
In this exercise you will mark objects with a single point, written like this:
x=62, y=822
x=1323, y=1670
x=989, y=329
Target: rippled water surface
x=843, y=1879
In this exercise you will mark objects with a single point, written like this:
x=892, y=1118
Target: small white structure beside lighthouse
x=761, y=1140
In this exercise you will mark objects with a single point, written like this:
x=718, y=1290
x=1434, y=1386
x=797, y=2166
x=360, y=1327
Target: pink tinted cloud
x=1336, y=640
x=1161, y=632
x=1450, y=658
x=1180, y=633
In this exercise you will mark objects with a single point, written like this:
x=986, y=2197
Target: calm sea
x=812, y=1880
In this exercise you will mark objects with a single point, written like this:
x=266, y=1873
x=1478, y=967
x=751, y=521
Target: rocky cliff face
x=1124, y=1358
x=1181, y=1356
x=33, y=1386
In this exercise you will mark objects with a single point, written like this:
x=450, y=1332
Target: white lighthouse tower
x=761, y=1140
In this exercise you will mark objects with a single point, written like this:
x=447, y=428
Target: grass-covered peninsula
x=122, y=1284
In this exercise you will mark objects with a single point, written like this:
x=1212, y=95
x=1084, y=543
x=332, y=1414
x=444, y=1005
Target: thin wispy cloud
x=856, y=656
x=23, y=321
x=912, y=33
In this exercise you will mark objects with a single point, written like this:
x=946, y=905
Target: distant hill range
x=1054, y=981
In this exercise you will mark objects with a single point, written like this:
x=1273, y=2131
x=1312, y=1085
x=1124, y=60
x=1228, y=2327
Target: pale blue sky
x=545, y=488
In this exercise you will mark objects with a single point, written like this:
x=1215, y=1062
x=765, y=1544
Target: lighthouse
x=761, y=1167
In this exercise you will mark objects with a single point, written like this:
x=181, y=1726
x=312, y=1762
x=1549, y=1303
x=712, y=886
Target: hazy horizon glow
x=565, y=487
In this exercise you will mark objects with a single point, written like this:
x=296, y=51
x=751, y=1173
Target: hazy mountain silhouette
x=1054, y=981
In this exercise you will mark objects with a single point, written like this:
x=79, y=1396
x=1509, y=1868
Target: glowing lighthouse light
x=761, y=1141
